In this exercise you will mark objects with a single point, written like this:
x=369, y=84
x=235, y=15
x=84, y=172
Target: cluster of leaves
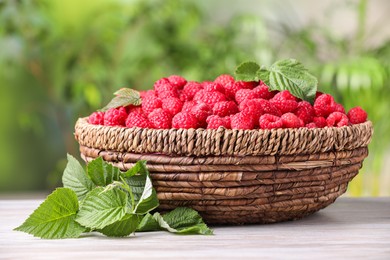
x=108, y=201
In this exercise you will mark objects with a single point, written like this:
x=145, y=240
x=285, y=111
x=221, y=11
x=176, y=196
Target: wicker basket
x=237, y=176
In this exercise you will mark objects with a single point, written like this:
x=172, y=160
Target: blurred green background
x=60, y=60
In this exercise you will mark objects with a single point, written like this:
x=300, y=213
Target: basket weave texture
x=237, y=176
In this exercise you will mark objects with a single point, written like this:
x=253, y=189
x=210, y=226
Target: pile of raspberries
x=177, y=103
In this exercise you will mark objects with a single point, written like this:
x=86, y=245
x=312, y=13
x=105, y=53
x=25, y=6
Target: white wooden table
x=348, y=229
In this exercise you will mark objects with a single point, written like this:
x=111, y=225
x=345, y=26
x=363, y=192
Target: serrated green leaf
x=183, y=221
x=55, y=217
x=148, y=223
x=145, y=196
x=124, y=97
x=291, y=75
x=121, y=228
x=263, y=75
x=247, y=71
x=100, y=209
x=75, y=178
x=101, y=172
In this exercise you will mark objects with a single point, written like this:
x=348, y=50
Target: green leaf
x=75, y=178
x=183, y=221
x=101, y=172
x=263, y=75
x=124, y=97
x=100, y=209
x=145, y=196
x=291, y=75
x=247, y=71
x=148, y=223
x=55, y=217
x=121, y=228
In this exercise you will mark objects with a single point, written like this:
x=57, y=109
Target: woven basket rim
x=221, y=141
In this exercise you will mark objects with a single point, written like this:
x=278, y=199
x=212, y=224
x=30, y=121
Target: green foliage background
x=60, y=60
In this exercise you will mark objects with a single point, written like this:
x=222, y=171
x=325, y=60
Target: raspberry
x=212, y=86
x=131, y=108
x=284, y=101
x=224, y=79
x=184, y=120
x=337, y=119
x=291, y=121
x=231, y=89
x=339, y=108
x=311, y=125
x=262, y=91
x=324, y=105
x=201, y=111
x=96, y=118
x=115, y=117
x=172, y=105
x=305, y=111
x=187, y=106
x=135, y=119
x=150, y=103
x=247, y=84
x=191, y=88
x=253, y=109
x=214, y=122
x=357, y=115
x=320, y=122
x=160, y=119
x=244, y=93
x=209, y=97
x=268, y=121
x=177, y=81
x=225, y=108
x=165, y=89
x=147, y=93
x=241, y=121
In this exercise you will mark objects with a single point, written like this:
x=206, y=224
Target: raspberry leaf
x=148, y=223
x=102, y=173
x=247, y=71
x=124, y=97
x=55, y=217
x=291, y=75
x=75, y=178
x=122, y=228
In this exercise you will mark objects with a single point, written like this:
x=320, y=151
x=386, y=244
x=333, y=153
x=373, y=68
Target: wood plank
x=348, y=229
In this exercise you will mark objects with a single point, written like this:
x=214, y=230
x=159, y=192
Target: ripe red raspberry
x=225, y=108
x=247, y=84
x=337, y=119
x=201, y=111
x=160, y=119
x=212, y=86
x=214, y=122
x=172, y=105
x=320, y=121
x=131, y=108
x=339, y=108
x=263, y=92
x=115, y=117
x=231, y=89
x=187, y=106
x=209, y=97
x=224, y=79
x=291, y=121
x=357, y=115
x=305, y=111
x=311, y=125
x=150, y=103
x=284, y=101
x=177, y=81
x=184, y=120
x=268, y=121
x=165, y=89
x=191, y=88
x=242, y=121
x=147, y=93
x=243, y=94
x=135, y=119
x=324, y=105
x=96, y=118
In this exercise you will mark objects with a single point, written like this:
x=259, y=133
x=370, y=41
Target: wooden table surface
x=348, y=229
